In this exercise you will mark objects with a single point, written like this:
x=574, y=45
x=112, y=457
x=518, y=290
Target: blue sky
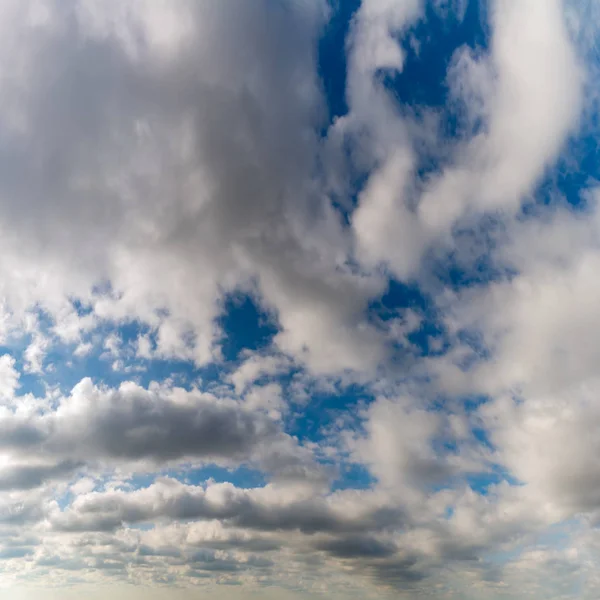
x=299, y=299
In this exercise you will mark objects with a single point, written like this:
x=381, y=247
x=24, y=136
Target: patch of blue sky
x=429, y=47
x=80, y=307
x=474, y=341
x=332, y=60
x=482, y=436
x=463, y=267
x=429, y=338
x=349, y=476
x=400, y=295
x=245, y=326
x=16, y=345
x=332, y=69
x=481, y=482
x=326, y=413
x=181, y=373
x=556, y=536
x=141, y=526
x=472, y=403
x=68, y=369
x=29, y=383
x=422, y=84
x=64, y=500
x=352, y=476
x=504, y=556
x=567, y=184
x=578, y=167
x=243, y=477
x=559, y=535
x=458, y=274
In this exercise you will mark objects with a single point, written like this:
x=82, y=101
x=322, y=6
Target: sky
x=299, y=299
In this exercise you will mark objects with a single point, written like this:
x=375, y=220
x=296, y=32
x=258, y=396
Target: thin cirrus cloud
x=299, y=298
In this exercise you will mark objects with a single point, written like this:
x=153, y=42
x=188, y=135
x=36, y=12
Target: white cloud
x=255, y=367
x=548, y=442
x=268, y=398
x=527, y=91
x=156, y=426
x=151, y=202
x=35, y=353
x=83, y=349
x=532, y=103
x=386, y=229
x=9, y=377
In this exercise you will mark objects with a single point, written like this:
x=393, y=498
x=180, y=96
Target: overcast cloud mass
x=299, y=299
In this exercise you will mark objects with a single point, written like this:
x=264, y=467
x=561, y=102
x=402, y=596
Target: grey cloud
x=315, y=516
x=398, y=572
x=357, y=547
x=21, y=512
x=379, y=559
x=140, y=425
x=145, y=550
x=56, y=562
x=104, y=564
x=15, y=552
x=250, y=545
x=24, y=477
x=175, y=168
x=240, y=508
x=114, y=555
x=207, y=561
x=17, y=433
x=159, y=425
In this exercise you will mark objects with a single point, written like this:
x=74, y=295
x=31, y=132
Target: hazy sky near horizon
x=299, y=298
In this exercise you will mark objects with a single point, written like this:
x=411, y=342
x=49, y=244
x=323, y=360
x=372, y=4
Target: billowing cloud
x=157, y=426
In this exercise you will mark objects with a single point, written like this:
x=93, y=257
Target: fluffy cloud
x=176, y=175
x=156, y=426
x=266, y=509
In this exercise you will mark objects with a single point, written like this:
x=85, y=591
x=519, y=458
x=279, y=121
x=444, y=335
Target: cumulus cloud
x=156, y=426
x=158, y=158
x=9, y=376
x=529, y=108
x=266, y=509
